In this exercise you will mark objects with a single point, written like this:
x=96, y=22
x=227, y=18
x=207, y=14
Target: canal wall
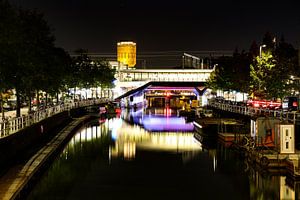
x=16, y=184
x=22, y=144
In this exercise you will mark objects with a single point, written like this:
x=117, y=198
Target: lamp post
x=260, y=48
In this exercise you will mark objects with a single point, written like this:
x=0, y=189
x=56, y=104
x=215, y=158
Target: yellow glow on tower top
x=127, y=53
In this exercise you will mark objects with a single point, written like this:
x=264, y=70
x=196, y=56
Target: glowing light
x=114, y=125
x=214, y=163
x=129, y=150
x=196, y=124
x=127, y=53
x=171, y=123
x=171, y=141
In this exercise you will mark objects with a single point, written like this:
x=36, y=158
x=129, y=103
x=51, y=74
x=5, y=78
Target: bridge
x=132, y=83
x=178, y=75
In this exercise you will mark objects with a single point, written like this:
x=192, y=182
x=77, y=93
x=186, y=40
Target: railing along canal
x=8, y=127
x=254, y=112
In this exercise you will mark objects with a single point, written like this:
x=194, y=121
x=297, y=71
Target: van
x=290, y=104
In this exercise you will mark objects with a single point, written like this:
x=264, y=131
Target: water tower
x=127, y=53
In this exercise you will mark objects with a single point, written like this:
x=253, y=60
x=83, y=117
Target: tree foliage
x=270, y=76
x=30, y=62
x=261, y=74
x=231, y=73
x=91, y=73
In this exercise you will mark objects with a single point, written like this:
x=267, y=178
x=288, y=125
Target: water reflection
x=128, y=137
x=271, y=187
x=120, y=157
x=156, y=119
x=172, y=133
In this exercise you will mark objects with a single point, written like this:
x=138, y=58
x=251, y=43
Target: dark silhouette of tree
x=91, y=73
x=29, y=60
x=58, y=71
x=8, y=38
x=231, y=73
x=272, y=73
x=254, y=50
x=270, y=41
x=35, y=49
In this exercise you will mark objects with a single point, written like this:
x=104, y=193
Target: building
x=126, y=52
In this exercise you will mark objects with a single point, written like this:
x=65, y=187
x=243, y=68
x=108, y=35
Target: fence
x=8, y=127
x=253, y=112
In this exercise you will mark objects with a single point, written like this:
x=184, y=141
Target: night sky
x=167, y=25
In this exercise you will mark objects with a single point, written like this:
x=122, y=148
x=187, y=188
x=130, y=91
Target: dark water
x=153, y=155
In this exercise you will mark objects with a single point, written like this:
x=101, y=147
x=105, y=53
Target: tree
x=231, y=73
x=215, y=79
x=270, y=41
x=253, y=51
x=90, y=73
x=8, y=39
x=34, y=55
x=58, y=70
x=288, y=68
x=261, y=74
x=224, y=73
x=241, y=65
x=28, y=58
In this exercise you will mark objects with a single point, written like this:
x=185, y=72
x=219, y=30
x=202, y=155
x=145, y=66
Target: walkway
x=15, y=180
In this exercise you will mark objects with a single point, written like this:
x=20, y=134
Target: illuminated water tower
x=127, y=53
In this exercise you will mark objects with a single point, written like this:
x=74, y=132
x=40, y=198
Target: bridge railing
x=253, y=112
x=13, y=125
x=164, y=75
x=167, y=79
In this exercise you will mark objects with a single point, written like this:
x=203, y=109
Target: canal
x=152, y=154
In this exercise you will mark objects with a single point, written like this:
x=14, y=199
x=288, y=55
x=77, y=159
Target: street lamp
x=260, y=47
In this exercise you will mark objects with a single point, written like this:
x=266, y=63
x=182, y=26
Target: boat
x=230, y=131
x=206, y=134
x=190, y=113
x=111, y=108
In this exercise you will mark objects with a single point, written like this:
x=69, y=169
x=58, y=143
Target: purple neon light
x=169, y=88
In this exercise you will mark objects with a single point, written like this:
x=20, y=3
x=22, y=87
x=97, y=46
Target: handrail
x=11, y=126
x=252, y=112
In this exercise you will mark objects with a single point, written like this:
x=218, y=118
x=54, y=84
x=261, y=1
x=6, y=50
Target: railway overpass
x=136, y=87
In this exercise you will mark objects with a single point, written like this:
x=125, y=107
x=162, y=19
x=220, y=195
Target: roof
x=199, y=86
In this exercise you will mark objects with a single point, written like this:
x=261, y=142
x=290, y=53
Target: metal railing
x=167, y=79
x=13, y=125
x=168, y=75
x=253, y=112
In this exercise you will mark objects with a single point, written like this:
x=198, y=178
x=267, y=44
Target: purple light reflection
x=160, y=123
